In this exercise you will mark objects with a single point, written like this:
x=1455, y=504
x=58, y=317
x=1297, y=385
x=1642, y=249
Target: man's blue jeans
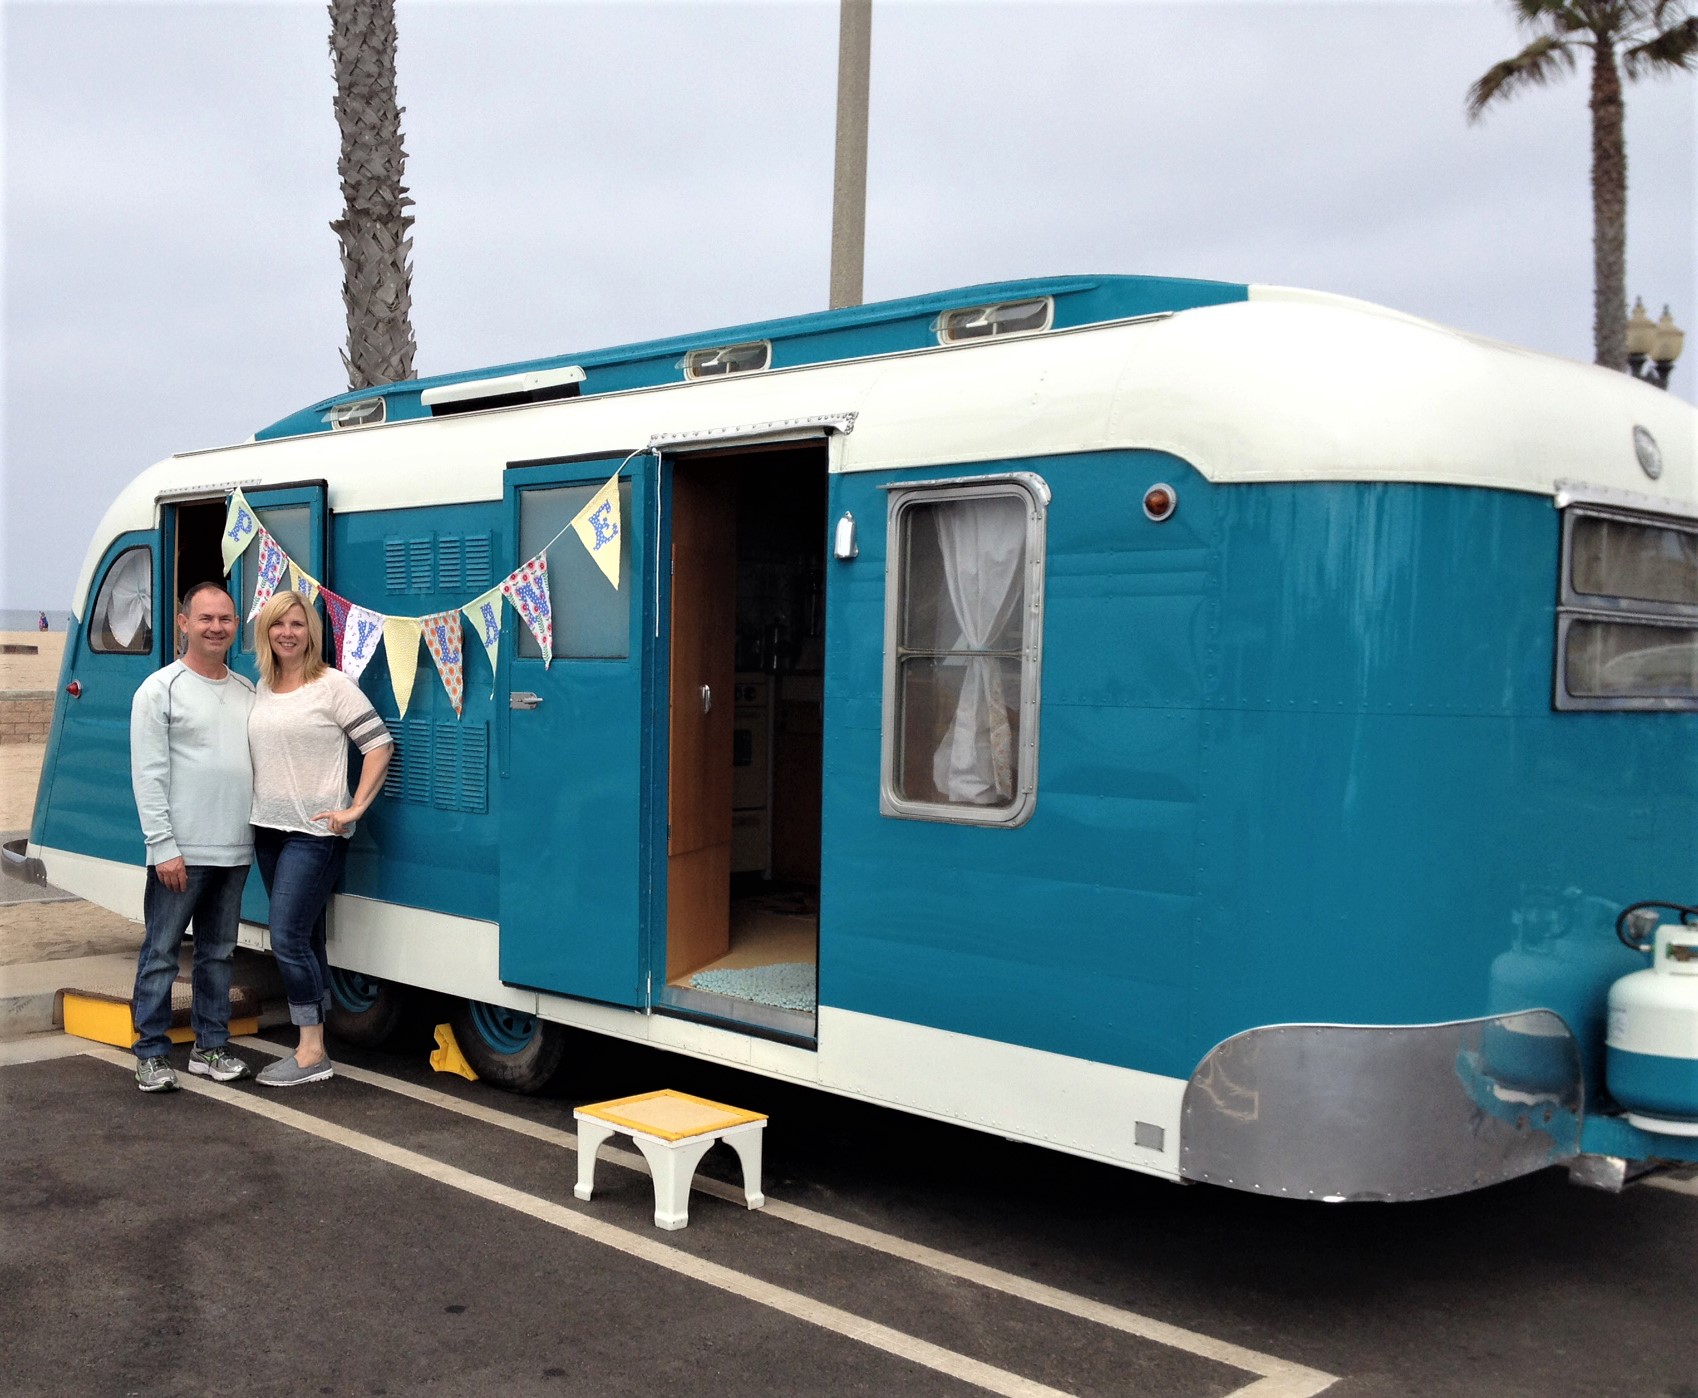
x=300, y=873
x=213, y=903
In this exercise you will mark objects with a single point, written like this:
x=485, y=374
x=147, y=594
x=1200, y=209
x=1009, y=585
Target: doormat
x=789, y=985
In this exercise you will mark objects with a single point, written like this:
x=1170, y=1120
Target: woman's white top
x=299, y=741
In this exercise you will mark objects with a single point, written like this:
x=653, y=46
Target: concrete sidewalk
x=51, y=941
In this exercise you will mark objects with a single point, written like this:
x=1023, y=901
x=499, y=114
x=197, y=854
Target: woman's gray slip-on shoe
x=285, y=1072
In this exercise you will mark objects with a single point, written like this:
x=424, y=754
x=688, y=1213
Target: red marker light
x=75, y=689
x=1160, y=502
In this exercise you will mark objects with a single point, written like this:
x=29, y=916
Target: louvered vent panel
x=474, y=769
x=419, y=560
x=395, y=565
x=394, y=786
x=450, y=575
x=416, y=780
x=479, y=553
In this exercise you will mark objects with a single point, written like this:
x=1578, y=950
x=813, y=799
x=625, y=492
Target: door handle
x=523, y=699
x=707, y=699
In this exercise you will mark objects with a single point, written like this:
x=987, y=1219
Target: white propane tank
x=1651, y=1049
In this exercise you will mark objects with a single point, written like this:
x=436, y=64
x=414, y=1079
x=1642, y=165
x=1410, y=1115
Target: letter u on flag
x=526, y=587
x=597, y=524
x=241, y=527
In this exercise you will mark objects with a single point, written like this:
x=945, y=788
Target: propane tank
x=1651, y=1049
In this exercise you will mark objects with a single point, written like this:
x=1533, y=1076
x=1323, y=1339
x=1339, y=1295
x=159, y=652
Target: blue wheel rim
x=504, y=1030
x=353, y=992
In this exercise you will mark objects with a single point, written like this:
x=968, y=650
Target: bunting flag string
x=442, y=638
x=358, y=632
x=268, y=571
x=301, y=583
x=597, y=525
x=240, y=523
x=484, y=613
x=336, y=608
x=401, y=644
x=526, y=587
x=363, y=629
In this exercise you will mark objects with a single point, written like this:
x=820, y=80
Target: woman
x=304, y=716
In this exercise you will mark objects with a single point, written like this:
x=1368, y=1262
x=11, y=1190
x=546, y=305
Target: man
x=194, y=792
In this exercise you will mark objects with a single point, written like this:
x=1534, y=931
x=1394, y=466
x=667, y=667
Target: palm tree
x=377, y=283
x=1648, y=37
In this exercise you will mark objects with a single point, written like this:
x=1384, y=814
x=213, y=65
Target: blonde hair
x=269, y=615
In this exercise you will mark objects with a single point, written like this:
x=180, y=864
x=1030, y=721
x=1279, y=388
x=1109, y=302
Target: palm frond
x=1547, y=57
x=1674, y=48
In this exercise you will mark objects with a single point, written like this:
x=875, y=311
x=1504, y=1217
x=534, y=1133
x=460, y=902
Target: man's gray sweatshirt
x=189, y=765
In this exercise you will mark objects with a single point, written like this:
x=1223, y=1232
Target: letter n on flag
x=526, y=587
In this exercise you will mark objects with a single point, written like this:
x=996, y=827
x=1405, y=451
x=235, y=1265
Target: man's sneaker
x=155, y=1075
x=219, y=1064
x=285, y=1072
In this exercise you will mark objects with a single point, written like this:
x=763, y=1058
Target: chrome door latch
x=523, y=699
x=707, y=699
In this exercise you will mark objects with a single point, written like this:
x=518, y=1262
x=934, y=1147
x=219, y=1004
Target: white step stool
x=674, y=1131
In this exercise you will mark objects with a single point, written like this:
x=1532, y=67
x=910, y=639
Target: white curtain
x=983, y=546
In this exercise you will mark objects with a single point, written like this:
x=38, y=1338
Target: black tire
x=365, y=1011
x=518, y=1052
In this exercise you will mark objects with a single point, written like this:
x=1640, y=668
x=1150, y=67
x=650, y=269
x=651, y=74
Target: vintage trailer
x=1208, y=728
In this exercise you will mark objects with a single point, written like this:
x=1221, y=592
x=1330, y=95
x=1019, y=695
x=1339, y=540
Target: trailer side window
x=963, y=622
x=1627, y=627
x=122, y=620
x=592, y=620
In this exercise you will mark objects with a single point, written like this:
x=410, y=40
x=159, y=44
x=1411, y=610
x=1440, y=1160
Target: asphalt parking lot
x=398, y=1231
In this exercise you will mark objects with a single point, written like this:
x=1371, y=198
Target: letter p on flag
x=598, y=526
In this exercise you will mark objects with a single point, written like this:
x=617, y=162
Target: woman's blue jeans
x=300, y=873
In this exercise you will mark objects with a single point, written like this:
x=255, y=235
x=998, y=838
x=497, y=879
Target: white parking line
x=1277, y=1378
x=790, y=1303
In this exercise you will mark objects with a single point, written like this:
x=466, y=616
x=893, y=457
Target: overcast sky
x=587, y=175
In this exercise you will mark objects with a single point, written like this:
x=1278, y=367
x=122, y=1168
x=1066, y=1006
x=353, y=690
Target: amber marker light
x=1160, y=502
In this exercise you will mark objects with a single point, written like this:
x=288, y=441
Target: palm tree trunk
x=376, y=280
x=1609, y=211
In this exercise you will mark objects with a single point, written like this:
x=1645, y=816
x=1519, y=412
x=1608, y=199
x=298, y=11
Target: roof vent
x=503, y=391
x=728, y=359
x=984, y=322
x=367, y=412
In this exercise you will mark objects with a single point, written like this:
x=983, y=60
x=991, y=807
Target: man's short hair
x=195, y=590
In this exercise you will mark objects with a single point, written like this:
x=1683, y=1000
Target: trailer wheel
x=508, y=1047
x=364, y=1010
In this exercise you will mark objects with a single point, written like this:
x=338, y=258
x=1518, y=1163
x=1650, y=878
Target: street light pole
x=849, y=182
x=1658, y=342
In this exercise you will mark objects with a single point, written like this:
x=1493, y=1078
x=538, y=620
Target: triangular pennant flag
x=336, y=608
x=485, y=616
x=241, y=526
x=597, y=524
x=358, y=640
x=401, y=641
x=442, y=639
x=269, y=571
x=526, y=587
x=301, y=583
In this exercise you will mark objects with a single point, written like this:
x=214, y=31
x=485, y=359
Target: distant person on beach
x=193, y=781
x=41, y=622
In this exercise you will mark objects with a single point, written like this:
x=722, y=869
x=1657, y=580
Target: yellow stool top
x=672, y=1116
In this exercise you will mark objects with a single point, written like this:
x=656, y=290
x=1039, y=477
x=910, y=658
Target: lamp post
x=1652, y=346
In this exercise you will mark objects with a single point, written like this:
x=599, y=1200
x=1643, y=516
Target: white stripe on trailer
x=1278, y=1377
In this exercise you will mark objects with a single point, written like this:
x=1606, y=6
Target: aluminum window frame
x=1575, y=606
x=1033, y=491
x=941, y=327
x=711, y=353
x=96, y=610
